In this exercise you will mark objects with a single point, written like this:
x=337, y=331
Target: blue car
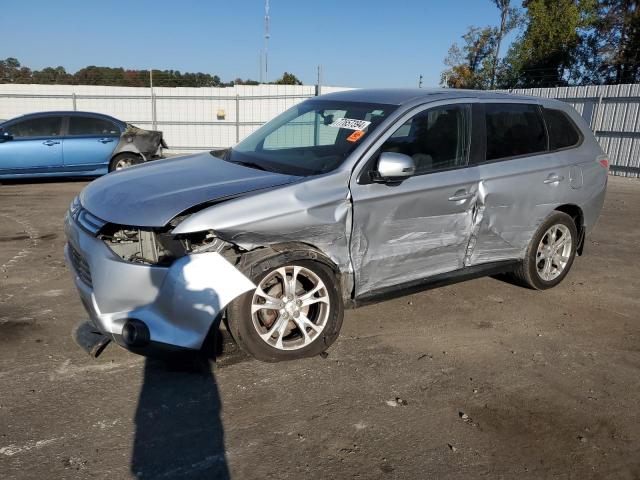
x=73, y=144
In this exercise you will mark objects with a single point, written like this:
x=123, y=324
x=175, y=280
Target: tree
x=616, y=41
x=509, y=19
x=471, y=65
x=12, y=72
x=288, y=79
x=51, y=75
x=548, y=53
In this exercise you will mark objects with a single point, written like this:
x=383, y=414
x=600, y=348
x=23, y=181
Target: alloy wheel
x=290, y=307
x=123, y=163
x=554, y=252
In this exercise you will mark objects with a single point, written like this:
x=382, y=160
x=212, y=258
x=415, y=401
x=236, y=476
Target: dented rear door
x=516, y=192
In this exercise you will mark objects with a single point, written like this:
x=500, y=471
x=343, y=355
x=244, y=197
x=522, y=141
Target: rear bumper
x=178, y=304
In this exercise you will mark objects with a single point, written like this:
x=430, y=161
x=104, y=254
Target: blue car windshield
x=311, y=138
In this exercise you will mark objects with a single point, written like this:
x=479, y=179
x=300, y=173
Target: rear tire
x=550, y=253
x=304, y=321
x=124, y=160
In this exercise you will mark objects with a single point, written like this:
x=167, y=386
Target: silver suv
x=341, y=200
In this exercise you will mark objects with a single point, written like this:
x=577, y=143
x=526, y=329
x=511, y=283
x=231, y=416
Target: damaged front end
x=159, y=246
x=146, y=288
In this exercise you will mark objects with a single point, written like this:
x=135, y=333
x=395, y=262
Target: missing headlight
x=139, y=245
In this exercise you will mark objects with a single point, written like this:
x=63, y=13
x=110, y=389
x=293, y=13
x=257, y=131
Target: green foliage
x=288, y=79
x=475, y=64
x=12, y=72
x=560, y=42
x=615, y=44
x=470, y=66
x=548, y=53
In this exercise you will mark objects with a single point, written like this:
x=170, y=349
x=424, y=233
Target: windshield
x=310, y=138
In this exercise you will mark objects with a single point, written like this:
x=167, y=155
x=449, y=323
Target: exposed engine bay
x=148, y=246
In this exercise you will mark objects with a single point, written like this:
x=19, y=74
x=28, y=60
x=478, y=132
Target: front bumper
x=178, y=304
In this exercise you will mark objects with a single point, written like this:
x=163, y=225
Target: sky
x=371, y=43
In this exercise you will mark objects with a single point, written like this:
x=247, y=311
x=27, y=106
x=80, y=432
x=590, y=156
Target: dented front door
x=421, y=227
x=411, y=231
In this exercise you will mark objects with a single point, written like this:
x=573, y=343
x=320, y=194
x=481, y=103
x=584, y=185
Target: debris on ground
x=397, y=402
x=467, y=419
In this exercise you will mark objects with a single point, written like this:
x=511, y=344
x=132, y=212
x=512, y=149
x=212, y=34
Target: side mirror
x=5, y=136
x=394, y=167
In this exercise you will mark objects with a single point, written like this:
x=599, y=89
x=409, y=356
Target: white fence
x=206, y=118
x=191, y=118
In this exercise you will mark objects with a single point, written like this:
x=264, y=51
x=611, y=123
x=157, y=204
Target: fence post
x=237, y=118
x=73, y=99
x=598, y=112
x=154, y=122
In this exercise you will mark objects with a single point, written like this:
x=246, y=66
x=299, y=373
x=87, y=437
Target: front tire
x=550, y=253
x=296, y=311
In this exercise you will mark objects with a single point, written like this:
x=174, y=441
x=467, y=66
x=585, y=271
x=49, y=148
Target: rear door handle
x=554, y=179
x=105, y=140
x=461, y=195
x=49, y=143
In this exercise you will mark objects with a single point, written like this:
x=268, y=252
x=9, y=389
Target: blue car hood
x=152, y=194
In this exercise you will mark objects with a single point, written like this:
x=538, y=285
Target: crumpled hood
x=151, y=194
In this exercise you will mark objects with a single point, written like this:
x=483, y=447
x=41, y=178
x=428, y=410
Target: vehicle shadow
x=178, y=428
x=179, y=433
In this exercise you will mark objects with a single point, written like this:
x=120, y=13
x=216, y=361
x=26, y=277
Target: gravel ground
x=481, y=379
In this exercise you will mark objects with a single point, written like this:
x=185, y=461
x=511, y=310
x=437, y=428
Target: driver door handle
x=461, y=195
x=105, y=140
x=49, y=143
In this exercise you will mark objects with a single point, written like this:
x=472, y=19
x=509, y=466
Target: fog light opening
x=135, y=333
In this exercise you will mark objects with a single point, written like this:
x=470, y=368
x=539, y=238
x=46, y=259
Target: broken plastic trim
x=157, y=247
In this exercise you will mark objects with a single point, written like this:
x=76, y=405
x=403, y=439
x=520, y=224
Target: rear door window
x=514, y=130
x=36, y=127
x=92, y=126
x=562, y=131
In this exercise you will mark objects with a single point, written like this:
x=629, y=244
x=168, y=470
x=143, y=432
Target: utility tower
x=266, y=41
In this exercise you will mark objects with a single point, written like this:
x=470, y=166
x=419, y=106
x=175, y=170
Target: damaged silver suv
x=341, y=200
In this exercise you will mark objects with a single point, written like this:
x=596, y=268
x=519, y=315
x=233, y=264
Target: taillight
x=605, y=163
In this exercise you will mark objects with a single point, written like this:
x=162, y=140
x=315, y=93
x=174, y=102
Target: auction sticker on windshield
x=350, y=123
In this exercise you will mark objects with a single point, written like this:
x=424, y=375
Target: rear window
x=514, y=130
x=91, y=126
x=562, y=131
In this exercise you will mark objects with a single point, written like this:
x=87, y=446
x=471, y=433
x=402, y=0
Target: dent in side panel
x=316, y=212
x=516, y=201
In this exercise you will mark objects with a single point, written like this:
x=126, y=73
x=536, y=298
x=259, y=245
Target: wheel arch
x=115, y=157
x=273, y=254
x=575, y=212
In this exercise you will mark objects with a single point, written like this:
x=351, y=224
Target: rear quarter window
x=562, y=131
x=514, y=130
